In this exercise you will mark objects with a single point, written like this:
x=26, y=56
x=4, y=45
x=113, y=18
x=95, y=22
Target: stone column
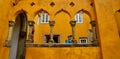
x=51, y=23
x=73, y=23
x=93, y=24
x=31, y=33
x=90, y=32
x=11, y=25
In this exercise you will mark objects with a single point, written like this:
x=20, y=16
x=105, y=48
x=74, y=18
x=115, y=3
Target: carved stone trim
x=31, y=23
x=58, y=45
x=93, y=23
x=51, y=24
x=11, y=23
x=72, y=23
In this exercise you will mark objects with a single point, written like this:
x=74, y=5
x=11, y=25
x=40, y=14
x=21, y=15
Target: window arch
x=43, y=17
x=79, y=17
x=62, y=10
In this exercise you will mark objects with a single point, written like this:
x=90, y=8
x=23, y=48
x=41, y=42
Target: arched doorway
x=17, y=50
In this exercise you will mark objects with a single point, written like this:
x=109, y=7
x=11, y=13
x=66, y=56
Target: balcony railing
x=57, y=45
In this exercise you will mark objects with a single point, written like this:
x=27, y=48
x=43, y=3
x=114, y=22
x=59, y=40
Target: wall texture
x=102, y=11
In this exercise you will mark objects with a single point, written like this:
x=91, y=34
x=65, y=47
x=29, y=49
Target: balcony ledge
x=56, y=45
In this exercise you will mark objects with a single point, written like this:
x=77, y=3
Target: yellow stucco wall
x=108, y=31
x=103, y=13
x=62, y=27
x=63, y=53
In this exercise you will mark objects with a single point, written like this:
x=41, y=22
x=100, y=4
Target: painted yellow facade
x=105, y=12
x=62, y=27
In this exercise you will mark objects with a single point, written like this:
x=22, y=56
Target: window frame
x=86, y=39
x=79, y=17
x=45, y=39
x=43, y=18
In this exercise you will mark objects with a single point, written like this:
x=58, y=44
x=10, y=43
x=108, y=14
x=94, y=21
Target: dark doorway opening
x=17, y=50
x=56, y=38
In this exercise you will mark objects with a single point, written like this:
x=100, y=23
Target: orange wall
x=63, y=53
x=108, y=31
x=107, y=27
x=62, y=27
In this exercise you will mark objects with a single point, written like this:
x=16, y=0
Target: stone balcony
x=56, y=45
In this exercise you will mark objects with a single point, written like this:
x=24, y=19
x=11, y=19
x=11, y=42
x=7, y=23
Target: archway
x=83, y=27
x=62, y=10
x=42, y=18
x=17, y=50
x=62, y=25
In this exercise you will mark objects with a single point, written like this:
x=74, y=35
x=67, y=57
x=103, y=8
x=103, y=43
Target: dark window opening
x=55, y=38
x=83, y=41
x=119, y=34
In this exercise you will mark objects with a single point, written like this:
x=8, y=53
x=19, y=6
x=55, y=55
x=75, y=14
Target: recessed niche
x=13, y=4
x=91, y=4
x=71, y=4
x=32, y=4
x=119, y=10
x=52, y=4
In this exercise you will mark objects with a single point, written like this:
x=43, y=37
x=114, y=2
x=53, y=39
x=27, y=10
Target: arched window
x=43, y=17
x=79, y=17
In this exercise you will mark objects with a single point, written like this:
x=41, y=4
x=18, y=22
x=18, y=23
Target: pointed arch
x=62, y=10
x=19, y=35
x=84, y=11
x=43, y=16
x=20, y=11
x=39, y=11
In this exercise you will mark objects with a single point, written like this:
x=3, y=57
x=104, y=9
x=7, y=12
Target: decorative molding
x=62, y=10
x=31, y=23
x=58, y=45
x=52, y=4
x=72, y=4
x=51, y=23
x=93, y=23
x=91, y=4
x=84, y=11
x=72, y=23
x=32, y=4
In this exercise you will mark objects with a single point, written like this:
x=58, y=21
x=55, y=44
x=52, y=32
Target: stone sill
x=59, y=45
x=56, y=45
